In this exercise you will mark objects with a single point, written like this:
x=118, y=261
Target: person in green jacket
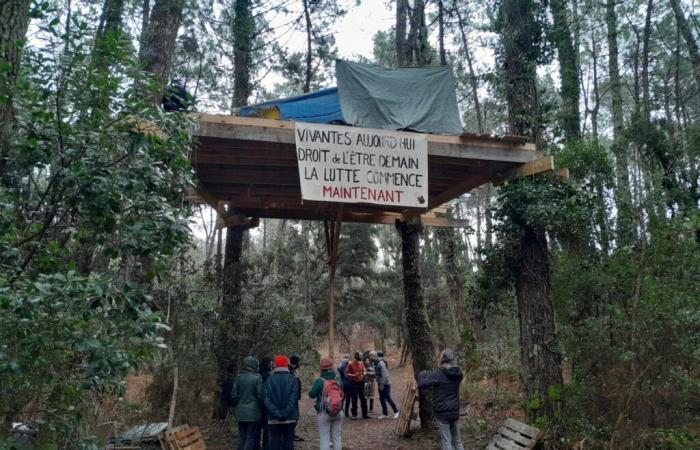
x=329, y=427
x=247, y=399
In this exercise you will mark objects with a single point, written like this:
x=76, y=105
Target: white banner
x=362, y=165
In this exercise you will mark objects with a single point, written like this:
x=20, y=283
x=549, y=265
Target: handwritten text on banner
x=361, y=165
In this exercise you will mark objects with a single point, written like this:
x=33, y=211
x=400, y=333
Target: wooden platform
x=248, y=167
x=514, y=435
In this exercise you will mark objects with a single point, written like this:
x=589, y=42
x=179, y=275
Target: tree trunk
x=568, y=71
x=309, y=55
x=158, y=42
x=403, y=49
x=684, y=29
x=646, y=96
x=145, y=17
x=521, y=74
x=418, y=35
x=226, y=346
x=538, y=342
x=441, y=33
x=243, y=27
x=473, y=82
x=418, y=328
x=14, y=20
x=622, y=195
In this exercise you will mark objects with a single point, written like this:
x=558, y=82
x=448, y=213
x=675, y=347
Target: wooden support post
x=332, y=232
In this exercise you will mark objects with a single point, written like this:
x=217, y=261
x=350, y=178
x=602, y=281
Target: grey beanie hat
x=447, y=356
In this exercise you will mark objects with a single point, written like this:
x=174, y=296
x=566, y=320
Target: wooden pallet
x=403, y=424
x=183, y=437
x=514, y=435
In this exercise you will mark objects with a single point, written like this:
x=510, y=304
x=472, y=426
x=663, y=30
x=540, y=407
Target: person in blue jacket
x=445, y=381
x=281, y=400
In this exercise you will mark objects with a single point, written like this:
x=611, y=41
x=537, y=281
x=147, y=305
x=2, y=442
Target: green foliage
x=91, y=210
x=629, y=324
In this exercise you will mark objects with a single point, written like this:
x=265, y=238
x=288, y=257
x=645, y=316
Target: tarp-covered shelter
x=247, y=164
x=421, y=100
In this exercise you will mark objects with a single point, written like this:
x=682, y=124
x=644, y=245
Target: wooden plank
x=199, y=445
x=455, y=191
x=191, y=439
x=506, y=444
x=531, y=168
x=186, y=433
x=278, y=131
x=523, y=428
x=517, y=437
x=403, y=423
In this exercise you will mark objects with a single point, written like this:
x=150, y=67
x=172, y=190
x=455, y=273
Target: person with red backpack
x=329, y=406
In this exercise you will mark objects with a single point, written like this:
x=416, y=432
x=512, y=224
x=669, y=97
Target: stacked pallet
x=183, y=437
x=403, y=424
x=514, y=435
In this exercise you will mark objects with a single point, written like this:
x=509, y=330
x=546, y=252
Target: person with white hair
x=445, y=381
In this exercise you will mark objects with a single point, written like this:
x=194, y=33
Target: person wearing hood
x=445, y=381
x=246, y=396
x=281, y=399
x=329, y=427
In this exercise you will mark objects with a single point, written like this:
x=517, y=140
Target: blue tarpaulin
x=316, y=107
x=421, y=100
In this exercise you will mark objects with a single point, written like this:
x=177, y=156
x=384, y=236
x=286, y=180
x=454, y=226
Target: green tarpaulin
x=414, y=99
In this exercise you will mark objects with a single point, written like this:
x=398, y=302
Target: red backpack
x=331, y=398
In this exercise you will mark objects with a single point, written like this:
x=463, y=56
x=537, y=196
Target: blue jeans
x=329, y=430
x=384, y=397
x=449, y=433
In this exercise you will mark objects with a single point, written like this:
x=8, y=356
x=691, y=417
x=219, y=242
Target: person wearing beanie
x=356, y=373
x=329, y=428
x=294, y=363
x=246, y=396
x=384, y=384
x=281, y=400
x=445, y=381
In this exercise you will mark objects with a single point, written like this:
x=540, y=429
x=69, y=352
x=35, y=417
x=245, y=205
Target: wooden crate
x=403, y=424
x=514, y=435
x=183, y=438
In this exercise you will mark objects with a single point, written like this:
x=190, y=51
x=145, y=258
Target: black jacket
x=445, y=383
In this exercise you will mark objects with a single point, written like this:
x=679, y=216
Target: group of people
x=267, y=398
x=361, y=377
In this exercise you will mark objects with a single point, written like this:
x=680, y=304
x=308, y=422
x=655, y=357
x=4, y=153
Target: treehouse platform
x=247, y=168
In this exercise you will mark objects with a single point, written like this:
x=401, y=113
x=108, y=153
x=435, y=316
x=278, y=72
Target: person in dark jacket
x=445, y=381
x=281, y=399
x=263, y=427
x=246, y=396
